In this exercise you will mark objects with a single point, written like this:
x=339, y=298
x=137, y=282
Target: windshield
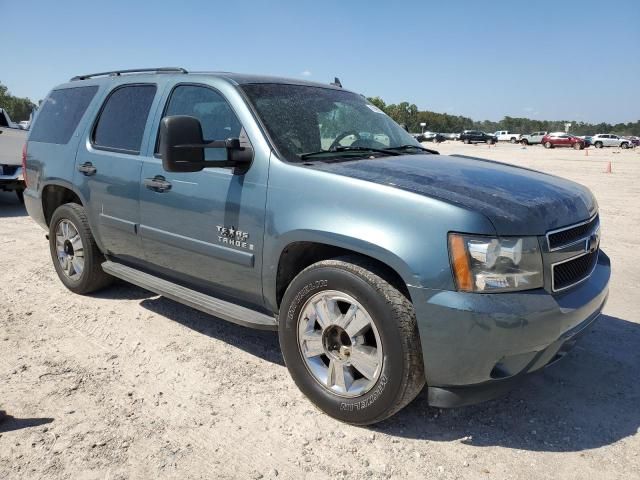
x=305, y=119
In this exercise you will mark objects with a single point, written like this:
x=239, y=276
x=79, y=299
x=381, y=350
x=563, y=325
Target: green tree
x=18, y=108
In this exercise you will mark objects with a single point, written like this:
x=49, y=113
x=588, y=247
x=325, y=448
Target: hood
x=518, y=201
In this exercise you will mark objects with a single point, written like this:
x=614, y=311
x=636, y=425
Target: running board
x=205, y=303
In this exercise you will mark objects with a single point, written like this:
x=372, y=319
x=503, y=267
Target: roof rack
x=117, y=73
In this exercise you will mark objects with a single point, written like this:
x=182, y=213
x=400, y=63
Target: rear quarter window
x=60, y=114
x=123, y=118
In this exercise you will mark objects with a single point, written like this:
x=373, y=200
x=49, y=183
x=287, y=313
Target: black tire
x=524, y=142
x=598, y=145
x=92, y=277
x=491, y=142
x=578, y=146
x=624, y=145
x=548, y=145
x=513, y=140
x=467, y=141
x=402, y=375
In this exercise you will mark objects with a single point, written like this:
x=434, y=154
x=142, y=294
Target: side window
x=218, y=120
x=60, y=114
x=123, y=118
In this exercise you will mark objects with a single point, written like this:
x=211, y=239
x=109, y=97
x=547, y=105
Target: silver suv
x=610, y=140
x=532, y=138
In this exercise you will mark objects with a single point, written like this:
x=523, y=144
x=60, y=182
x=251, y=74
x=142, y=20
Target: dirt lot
x=125, y=384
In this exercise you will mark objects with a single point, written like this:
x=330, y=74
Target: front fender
x=403, y=230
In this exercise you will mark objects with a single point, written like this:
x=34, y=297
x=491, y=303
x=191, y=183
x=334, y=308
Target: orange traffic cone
x=608, y=169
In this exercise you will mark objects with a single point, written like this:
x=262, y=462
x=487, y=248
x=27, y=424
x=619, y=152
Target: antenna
x=336, y=82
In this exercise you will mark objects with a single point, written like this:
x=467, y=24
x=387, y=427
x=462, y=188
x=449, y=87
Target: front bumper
x=476, y=346
x=11, y=178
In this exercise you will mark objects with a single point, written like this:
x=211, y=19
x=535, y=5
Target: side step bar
x=205, y=303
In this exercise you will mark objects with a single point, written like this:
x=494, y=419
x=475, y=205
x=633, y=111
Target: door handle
x=157, y=184
x=87, y=169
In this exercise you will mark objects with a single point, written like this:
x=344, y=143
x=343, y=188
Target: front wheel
x=525, y=142
x=76, y=257
x=578, y=146
x=350, y=341
x=548, y=145
x=624, y=145
x=598, y=145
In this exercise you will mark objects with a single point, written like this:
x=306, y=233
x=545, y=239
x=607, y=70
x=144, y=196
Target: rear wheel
x=467, y=141
x=578, y=146
x=513, y=140
x=76, y=257
x=350, y=341
x=491, y=141
x=548, y=145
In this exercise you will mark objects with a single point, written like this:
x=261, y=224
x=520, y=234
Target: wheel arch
x=55, y=194
x=298, y=252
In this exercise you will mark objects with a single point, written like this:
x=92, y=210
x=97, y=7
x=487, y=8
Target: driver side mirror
x=182, y=147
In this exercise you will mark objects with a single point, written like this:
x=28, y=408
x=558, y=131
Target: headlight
x=489, y=264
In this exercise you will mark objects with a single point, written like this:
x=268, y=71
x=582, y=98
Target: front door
x=205, y=228
x=108, y=166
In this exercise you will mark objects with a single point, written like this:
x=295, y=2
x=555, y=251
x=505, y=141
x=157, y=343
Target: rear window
x=60, y=114
x=123, y=118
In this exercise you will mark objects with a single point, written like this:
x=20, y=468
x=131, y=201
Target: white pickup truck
x=507, y=136
x=12, y=139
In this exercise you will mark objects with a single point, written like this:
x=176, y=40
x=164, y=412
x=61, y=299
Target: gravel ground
x=126, y=384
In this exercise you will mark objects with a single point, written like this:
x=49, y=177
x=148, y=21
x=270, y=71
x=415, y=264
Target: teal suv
x=300, y=207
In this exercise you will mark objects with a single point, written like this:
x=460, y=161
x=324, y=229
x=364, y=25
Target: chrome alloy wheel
x=340, y=343
x=69, y=249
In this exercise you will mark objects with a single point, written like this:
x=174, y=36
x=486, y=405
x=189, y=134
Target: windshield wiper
x=348, y=149
x=417, y=147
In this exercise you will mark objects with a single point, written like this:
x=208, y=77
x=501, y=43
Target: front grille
x=573, y=271
x=569, y=235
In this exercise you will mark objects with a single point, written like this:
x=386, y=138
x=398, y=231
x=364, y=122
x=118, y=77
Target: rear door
x=108, y=166
x=206, y=229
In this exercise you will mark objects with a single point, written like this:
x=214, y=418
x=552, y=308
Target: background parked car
x=429, y=137
x=476, y=136
x=635, y=141
x=532, y=138
x=507, y=136
x=587, y=140
x=562, y=139
x=609, y=140
x=451, y=136
x=24, y=125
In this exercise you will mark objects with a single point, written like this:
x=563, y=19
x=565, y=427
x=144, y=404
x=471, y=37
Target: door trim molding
x=245, y=259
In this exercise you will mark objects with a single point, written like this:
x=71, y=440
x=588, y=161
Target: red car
x=562, y=139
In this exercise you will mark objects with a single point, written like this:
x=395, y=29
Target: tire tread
x=413, y=379
x=95, y=278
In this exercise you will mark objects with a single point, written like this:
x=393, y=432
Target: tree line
x=408, y=114
x=19, y=109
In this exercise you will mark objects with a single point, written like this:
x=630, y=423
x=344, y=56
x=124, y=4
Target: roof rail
x=117, y=73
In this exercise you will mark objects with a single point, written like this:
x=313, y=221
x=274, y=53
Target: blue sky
x=576, y=60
